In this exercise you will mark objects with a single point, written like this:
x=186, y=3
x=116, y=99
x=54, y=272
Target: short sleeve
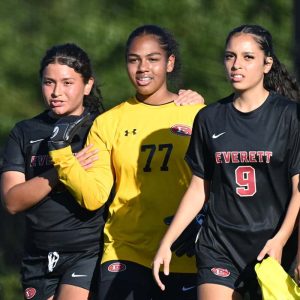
x=197, y=155
x=13, y=155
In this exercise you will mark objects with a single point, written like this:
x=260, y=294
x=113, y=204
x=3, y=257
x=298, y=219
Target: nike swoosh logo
x=35, y=141
x=215, y=136
x=184, y=288
x=78, y=275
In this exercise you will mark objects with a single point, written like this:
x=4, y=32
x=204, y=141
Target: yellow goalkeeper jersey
x=142, y=149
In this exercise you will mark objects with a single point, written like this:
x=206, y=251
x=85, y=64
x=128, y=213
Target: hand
x=65, y=129
x=187, y=97
x=272, y=248
x=185, y=243
x=162, y=257
x=297, y=271
x=86, y=156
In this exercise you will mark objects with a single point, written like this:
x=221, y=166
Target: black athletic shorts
x=120, y=280
x=42, y=272
x=216, y=267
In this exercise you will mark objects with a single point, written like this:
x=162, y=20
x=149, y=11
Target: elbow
x=92, y=207
x=11, y=209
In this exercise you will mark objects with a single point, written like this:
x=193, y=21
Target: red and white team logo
x=116, y=267
x=220, y=272
x=29, y=293
x=181, y=129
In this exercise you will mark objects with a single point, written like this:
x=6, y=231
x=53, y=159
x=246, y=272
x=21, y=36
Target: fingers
x=297, y=274
x=188, y=97
x=163, y=257
x=272, y=250
x=86, y=156
x=155, y=271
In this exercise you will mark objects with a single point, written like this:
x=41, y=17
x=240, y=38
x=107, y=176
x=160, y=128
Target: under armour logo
x=127, y=132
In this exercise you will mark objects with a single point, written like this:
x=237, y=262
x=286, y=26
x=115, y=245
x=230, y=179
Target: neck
x=157, y=98
x=249, y=101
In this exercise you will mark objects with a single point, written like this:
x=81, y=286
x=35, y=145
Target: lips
x=56, y=103
x=143, y=80
x=236, y=77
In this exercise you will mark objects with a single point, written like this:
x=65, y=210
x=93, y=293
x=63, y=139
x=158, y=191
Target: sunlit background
x=101, y=27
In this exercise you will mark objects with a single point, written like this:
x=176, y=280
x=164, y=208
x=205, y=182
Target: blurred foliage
x=28, y=28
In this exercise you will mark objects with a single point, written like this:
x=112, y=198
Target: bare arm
x=275, y=245
x=18, y=194
x=191, y=203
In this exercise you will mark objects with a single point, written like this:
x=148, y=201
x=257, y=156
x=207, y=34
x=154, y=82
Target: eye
x=47, y=82
x=67, y=83
x=132, y=60
x=228, y=56
x=153, y=59
x=249, y=57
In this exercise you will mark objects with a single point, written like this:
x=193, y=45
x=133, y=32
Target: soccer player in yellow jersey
x=141, y=145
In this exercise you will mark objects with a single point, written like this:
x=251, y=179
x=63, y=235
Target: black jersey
x=249, y=158
x=57, y=222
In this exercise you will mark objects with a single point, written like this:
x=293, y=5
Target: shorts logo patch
x=180, y=129
x=29, y=293
x=220, y=272
x=116, y=267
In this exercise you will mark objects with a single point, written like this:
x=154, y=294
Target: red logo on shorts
x=220, y=272
x=29, y=293
x=116, y=267
x=181, y=130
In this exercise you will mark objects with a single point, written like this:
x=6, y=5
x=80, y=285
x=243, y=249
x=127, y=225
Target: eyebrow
x=245, y=52
x=65, y=78
x=150, y=54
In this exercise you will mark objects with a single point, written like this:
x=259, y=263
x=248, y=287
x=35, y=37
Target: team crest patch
x=181, y=129
x=116, y=267
x=29, y=293
x=220, y=272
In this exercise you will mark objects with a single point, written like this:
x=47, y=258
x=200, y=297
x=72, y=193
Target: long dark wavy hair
x=76, y=58
x=278, y=78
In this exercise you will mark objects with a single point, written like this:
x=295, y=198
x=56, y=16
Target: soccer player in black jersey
x=63, y=239
x=245, y=157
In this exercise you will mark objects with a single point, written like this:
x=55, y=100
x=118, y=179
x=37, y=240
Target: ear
x=170, y=63
x=88, y=86
x=268, y=64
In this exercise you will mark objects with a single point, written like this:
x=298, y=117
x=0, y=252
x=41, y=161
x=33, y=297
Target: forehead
x=243, y=42
x=60, y=70
x=145, y=44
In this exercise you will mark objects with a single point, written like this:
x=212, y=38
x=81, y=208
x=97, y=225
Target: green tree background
x=101, y=27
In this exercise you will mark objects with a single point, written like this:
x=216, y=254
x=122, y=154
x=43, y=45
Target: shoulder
x=114, y=111
x=212, y=109
x=284, y=104
x=33, y=123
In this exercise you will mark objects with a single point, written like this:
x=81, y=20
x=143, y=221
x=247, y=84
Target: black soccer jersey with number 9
x=249, y=158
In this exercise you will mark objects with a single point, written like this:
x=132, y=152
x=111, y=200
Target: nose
x=236, y=64
x=143, y=65
x=56, y=91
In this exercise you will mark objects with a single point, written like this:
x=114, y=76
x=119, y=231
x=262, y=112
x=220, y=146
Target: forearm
x=19, y=195
x=90, y=188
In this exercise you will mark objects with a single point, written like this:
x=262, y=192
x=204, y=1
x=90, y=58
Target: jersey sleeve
x=197, y=155
x=13, y=155
x=91, y=188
